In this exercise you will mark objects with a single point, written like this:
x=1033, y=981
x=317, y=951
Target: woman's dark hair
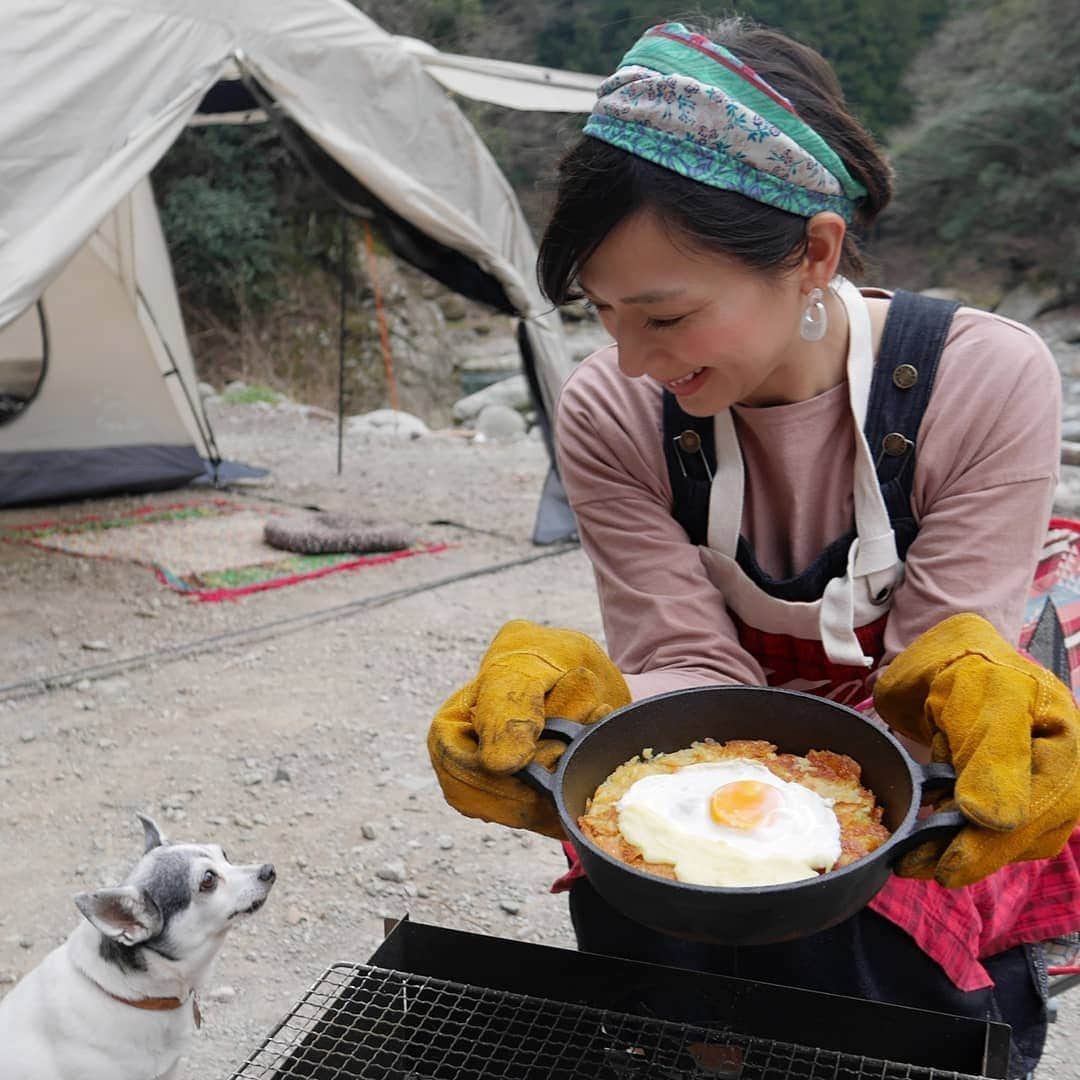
x=600, y=185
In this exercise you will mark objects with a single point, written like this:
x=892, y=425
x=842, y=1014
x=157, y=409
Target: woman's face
x=711, y=331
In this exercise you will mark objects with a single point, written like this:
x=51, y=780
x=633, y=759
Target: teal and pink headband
x=686, y=103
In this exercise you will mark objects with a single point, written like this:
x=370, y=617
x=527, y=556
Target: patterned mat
x=211, y=550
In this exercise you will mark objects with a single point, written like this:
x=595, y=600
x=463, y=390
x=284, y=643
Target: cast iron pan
x=796, y=723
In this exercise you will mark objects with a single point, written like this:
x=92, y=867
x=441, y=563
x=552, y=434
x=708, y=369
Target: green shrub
x=249, y=395
x=993, y=179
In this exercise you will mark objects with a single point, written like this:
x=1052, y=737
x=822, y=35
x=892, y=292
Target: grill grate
x=368, y=1022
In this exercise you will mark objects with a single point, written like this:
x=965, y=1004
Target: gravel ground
x=288, y=725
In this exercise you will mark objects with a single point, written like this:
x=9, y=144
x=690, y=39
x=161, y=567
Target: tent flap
x=95, y=94
x=35, y=476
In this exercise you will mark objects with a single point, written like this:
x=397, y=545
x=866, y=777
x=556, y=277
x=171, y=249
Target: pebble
x=25, y=942
x=282, y=775
x=445, y=842
x=221, y=993
x=27, y=736
x=392, y=871
x=367, y=831
x=96, y=646
x=511, y=907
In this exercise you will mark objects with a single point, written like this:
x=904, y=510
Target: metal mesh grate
x=367, y=1022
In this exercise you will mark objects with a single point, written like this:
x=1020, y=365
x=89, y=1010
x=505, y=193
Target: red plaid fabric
x=1022, y=902
x=801, y=663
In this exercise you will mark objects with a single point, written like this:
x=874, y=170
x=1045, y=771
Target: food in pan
x=735, y=814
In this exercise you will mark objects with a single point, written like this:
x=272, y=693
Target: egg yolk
x=743, y=804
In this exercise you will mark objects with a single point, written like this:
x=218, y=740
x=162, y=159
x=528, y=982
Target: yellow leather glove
x=490, y=728
x=1010, y=729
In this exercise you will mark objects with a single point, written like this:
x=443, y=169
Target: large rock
x=422, y=356
x=512, y=392
x=500, y=422
x=393, y=422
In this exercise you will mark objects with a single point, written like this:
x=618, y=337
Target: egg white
x=666, y=816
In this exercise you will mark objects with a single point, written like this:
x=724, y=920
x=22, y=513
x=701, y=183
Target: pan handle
x=943, y=825
x=536, y=776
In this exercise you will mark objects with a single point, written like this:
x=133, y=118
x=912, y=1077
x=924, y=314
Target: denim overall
x=866, y=956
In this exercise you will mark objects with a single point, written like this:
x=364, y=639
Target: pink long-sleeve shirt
x=987, y=455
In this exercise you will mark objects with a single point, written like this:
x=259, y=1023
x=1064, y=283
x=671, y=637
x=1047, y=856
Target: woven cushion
x=329, y=532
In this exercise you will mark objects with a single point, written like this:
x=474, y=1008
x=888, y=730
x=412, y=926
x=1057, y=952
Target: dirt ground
x=288, y=725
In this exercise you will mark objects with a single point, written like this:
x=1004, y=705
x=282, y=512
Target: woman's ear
x=825, y=234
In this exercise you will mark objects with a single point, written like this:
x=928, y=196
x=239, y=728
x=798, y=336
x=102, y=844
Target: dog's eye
x=209, y=880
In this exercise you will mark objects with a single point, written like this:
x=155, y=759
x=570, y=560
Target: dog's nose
x=267, y=872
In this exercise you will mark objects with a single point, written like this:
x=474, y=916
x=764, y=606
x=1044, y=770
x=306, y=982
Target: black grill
x=401, y=1018
x=388, y=1025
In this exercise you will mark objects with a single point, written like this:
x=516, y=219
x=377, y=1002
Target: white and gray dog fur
x=117, y=1001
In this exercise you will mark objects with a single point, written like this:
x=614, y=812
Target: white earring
x=814, y=323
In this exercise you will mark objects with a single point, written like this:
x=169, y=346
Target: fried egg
x=730, y=823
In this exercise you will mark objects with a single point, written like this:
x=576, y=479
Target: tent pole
x=341, y=337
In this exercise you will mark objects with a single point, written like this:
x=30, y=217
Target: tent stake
x=384, y=333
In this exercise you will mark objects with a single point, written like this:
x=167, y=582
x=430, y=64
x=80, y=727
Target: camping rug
x=211, y=550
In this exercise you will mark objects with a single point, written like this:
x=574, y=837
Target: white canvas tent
x=96, y=93
x=116, y=406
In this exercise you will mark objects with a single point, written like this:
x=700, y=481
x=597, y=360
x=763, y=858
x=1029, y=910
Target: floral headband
x=686, y=103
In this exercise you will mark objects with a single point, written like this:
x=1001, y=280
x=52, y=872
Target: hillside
x=988, y=173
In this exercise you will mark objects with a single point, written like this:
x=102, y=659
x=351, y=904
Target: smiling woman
x=697, y=323
x=785, y=480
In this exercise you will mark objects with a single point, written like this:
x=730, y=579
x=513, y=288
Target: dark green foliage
x=991, y=180
x=449, y=24
x=215, y=190
x=868, y=42
x=239, y=210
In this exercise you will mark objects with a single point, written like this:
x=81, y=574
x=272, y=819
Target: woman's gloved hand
x=490, y=728
x=1010, y=729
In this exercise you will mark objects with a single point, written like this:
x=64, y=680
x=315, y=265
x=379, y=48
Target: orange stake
x=384, y=333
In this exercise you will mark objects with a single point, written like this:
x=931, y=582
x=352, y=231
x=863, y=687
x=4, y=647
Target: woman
x=781, y=479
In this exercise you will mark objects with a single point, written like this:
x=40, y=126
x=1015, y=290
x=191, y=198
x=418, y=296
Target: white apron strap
x=873, y=566
x=727, y=491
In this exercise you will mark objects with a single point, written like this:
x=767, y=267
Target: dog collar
x=160, y=1004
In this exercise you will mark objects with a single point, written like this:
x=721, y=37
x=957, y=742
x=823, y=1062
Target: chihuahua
x=119, y=999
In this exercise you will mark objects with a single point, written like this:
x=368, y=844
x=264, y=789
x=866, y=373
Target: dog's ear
x=153, y=836
x=126, y=914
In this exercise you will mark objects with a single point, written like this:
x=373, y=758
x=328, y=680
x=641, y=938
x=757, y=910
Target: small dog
x=117, y=1001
